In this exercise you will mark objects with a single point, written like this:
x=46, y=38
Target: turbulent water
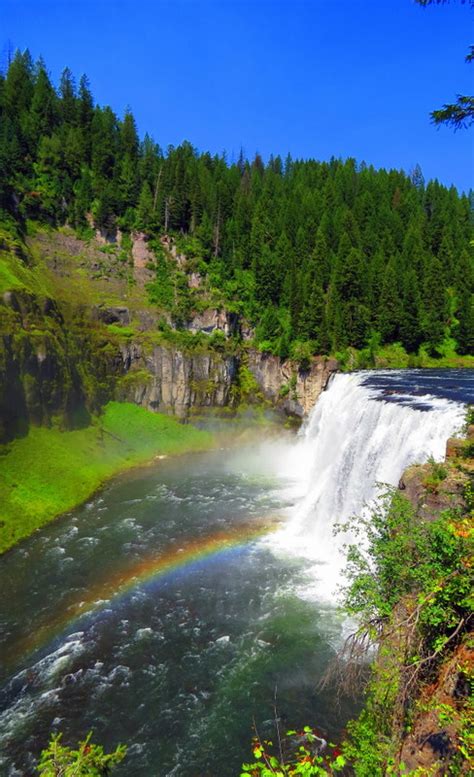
x=177, y=605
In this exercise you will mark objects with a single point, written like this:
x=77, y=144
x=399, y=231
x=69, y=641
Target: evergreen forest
x=317, y=256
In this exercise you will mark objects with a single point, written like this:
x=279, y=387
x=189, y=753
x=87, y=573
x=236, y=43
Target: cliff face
x=52, y=367
x=168, y=380
x=77, y=330
x=294, y=389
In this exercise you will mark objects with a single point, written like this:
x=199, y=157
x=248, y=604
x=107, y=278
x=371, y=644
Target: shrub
x=302, y=352
x=89, y=760
x=296, y=754
x=410, y=577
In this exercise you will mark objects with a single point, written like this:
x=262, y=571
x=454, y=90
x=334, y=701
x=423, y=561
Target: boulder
x=213, y=320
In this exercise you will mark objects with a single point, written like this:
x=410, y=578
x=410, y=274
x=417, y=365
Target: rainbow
x=187, y=557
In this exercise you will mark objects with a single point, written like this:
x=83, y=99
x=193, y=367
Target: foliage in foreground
x=304, y=758
x=89, y=760
x=458, y=115
x=411, y=589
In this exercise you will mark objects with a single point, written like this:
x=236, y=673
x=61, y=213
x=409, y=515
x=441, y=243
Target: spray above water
x=356, y=439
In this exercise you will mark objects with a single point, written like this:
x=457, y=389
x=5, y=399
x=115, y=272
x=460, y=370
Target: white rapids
x=353, y=441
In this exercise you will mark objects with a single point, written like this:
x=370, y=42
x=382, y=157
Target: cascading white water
x=353, y=441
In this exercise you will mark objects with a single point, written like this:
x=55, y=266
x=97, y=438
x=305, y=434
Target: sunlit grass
x=50, y=471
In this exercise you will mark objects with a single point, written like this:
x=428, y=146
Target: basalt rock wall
x=168, y=380
x=63, y=355
x=285, y=383
x=57, y=369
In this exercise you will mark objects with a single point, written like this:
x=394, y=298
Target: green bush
x=302, y=352
x=89, y=760
x=409, y=574
x=296, y=754
x=437, y=474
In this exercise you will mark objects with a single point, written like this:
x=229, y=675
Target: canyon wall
x=77, y=330
x=166, y=379
x=287, y=384
x=63, y=368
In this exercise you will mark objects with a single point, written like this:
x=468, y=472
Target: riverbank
x=49, y=471
x=416, y=607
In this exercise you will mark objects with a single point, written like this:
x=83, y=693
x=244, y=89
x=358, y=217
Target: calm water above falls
x=166, y=611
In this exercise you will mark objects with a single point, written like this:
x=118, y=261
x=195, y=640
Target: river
x=189, y=599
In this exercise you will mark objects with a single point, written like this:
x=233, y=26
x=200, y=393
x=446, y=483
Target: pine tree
x=128, y=136
x=413, y=254
x=145, y=213
x=465, y=329
x=104, y=140
x=417, y=178
x=18, y=88
x=390, y=307
x=267, y=289
x=321, y=259
x=334, y=324
x=85, y=114
x=446, y=257
x=85, y=108
x=43, y=113
x=434, y=304
x=312, y=317
x=410, y=324
x=67, y=92
x=294, y=297
x=128, y=183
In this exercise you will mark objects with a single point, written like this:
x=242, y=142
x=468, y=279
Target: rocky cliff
x=168, y=380
x=76, y=330
x=287, y=384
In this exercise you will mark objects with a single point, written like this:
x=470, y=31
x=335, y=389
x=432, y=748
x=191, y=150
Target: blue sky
x=315, y=78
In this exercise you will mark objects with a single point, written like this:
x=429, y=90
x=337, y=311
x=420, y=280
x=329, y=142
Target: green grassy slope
x=50, y=471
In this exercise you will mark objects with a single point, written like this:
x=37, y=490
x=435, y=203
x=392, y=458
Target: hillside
x=82, y=344
x=317, y=257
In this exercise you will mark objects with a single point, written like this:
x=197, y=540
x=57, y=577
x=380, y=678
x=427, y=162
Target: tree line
x=331, y=254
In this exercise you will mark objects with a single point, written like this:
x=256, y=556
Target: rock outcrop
x=434, y=487
x=169, y=380
x=76, y=332
x=214, y=320
x=116, y=314
x=430, y=494
x=294, y=389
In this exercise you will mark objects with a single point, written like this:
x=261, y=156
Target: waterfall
x=355, y=439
